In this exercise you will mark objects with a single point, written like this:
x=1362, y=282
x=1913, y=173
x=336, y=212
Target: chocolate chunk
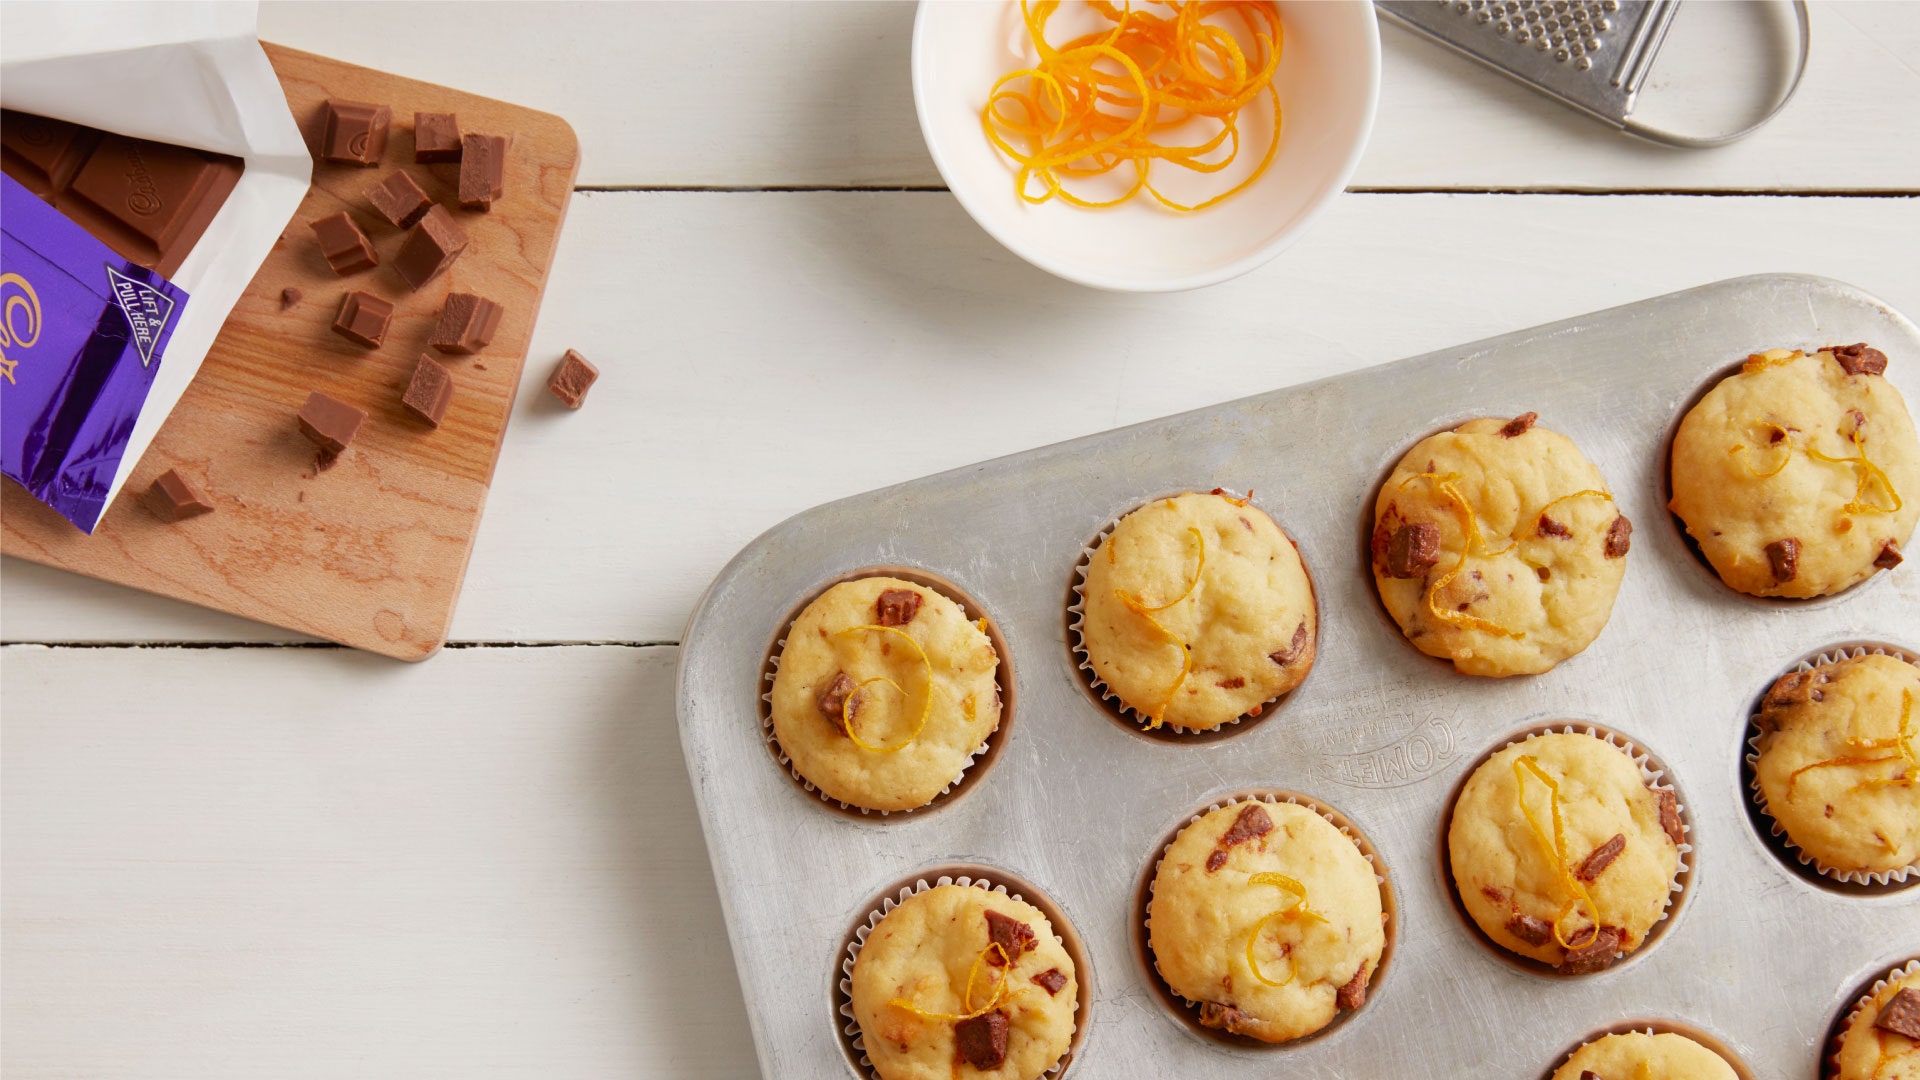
x=356, y=132
x=1550, y=527
x=1601, y=858
x=43, y=154
x=330, y=424
x=1619, y=538
x=982, y=1040
x=1013, y=936
x=430, y=248
x=1224, y=1018
x=1889, y=556
x=1543, y=573
x=1414, y=549
x=1859, y=359
x=1589, y=1074
x=483, y=170
x=1252, y=822
x=363, y=319
x=1519, y=425
x=1670, y=815
x=1234, y=683
x=1354, y=994
x=1901, y=1014
x=436, y=137
x=1051, y=981
x=1784, y=557
x=833, y=700
x=1295, y=648
x=466, y=324
x=1531, y=929
x=400, y=200
x=290, y=296
x=896, y=607
x=429, y=391
x=172, y=498
x=1787, y=691
x=344, y=246
x=1597, y=955
x=572, y=379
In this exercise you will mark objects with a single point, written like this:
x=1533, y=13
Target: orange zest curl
x=1100, y=103
x=1556, y=845
x=848, y=706
x=1296, y=911
x=1534, y=529
x=1761, y=361
x=994, y=1000
x=1158, y=714
x=1469, y=521
x=1865, y=475
x=1901, y=743
x=1777, y=435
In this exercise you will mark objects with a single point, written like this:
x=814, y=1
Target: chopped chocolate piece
x=356, y=133
x=1051, y=980
x=1253, y=821
x=1601, y=858
x=1550, y=527
x=1543, y=573
x=1670, y=815
x=1889, y=556
x=572, y=379
x=1859, y=359
x=1788, y=690
x=483, y=170
x=436, y=137
x=1295, y=649
x=1354, y=994
x=1224, y=1017
x=1901, y=1014
x=1013, y=936
x=1597, y=955
x=429, y=391
x=330, y=424
x=833, y=700
x=896, y=607
x=1784, y=557
x=1619, y=538
x=43, y=154
x=1519, y=425
x=466, y=324
x=1589, y=1074
x=430, y=248
x=400, y=200
x=344, y=246
x=363, y=319
x=981, y=1041
x=1234, y=683
x=172, y=498
x=1531, y=929
x=1414, y=549
x=290, y=296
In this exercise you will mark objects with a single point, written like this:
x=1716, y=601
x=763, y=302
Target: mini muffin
x=1269, y=918
x=1497, y=546
x=1799, y=475
x=1561, y=852
x=958, y=981
x=1198, y=611
x=1882, y=1038
x=1837, y=764
x=884, y=694
x=1635, y=1054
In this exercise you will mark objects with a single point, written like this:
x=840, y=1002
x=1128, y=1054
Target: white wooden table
x=230, y=853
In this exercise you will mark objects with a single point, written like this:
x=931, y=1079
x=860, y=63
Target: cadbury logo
x=19, y=320
x=144, y=196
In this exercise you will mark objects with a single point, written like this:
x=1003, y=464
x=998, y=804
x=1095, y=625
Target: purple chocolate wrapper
x=82, y=332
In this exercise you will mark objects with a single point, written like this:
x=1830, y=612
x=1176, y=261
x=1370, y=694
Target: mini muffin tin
x=1758, y=957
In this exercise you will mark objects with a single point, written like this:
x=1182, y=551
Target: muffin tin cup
x=1126, y=715
x=1861, y=881
x=1656, y=1027
x=1652, y=773
x=988, y=749
x=1830, y=1064
x=1186, y=1010
x=969, y=875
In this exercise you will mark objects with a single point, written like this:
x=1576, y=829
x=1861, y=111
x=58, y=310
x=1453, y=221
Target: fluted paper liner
x=1830, y=1065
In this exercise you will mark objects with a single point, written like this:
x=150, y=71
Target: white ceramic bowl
x=1328, y=80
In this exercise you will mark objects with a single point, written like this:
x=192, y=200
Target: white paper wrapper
x=1831, y=1064
x=191, y=74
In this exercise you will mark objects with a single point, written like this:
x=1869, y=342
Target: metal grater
x=1591, y=54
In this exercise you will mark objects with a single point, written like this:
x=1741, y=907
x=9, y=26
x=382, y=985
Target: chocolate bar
x=343, y=245
x=436, y=138
x=400, y=200
x=466, y=325
x=572, y=379
x=483, y=170
x=363, y=319
x=430, y=248
x=429, y=391
x=173, y=498
x=355, y=132
x=329, y=423
x=150, y=202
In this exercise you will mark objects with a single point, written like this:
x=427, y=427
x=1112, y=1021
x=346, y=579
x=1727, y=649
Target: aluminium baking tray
x=1755, y=953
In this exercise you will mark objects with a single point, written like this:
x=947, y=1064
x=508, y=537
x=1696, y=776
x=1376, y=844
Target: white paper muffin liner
x=1831, y=1064
x=1658, y=1027
x=1389, y=910
x=1651, y=776
x=1778, y=831
x=1077, y=616
x=851, y=1025
x=779, y=754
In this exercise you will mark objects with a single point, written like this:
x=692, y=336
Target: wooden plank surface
x=755, y=94
x=372, y=551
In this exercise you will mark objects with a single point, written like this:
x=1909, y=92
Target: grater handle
x=1703, y=142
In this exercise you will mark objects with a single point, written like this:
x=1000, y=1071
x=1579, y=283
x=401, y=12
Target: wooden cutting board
x=371, y=552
